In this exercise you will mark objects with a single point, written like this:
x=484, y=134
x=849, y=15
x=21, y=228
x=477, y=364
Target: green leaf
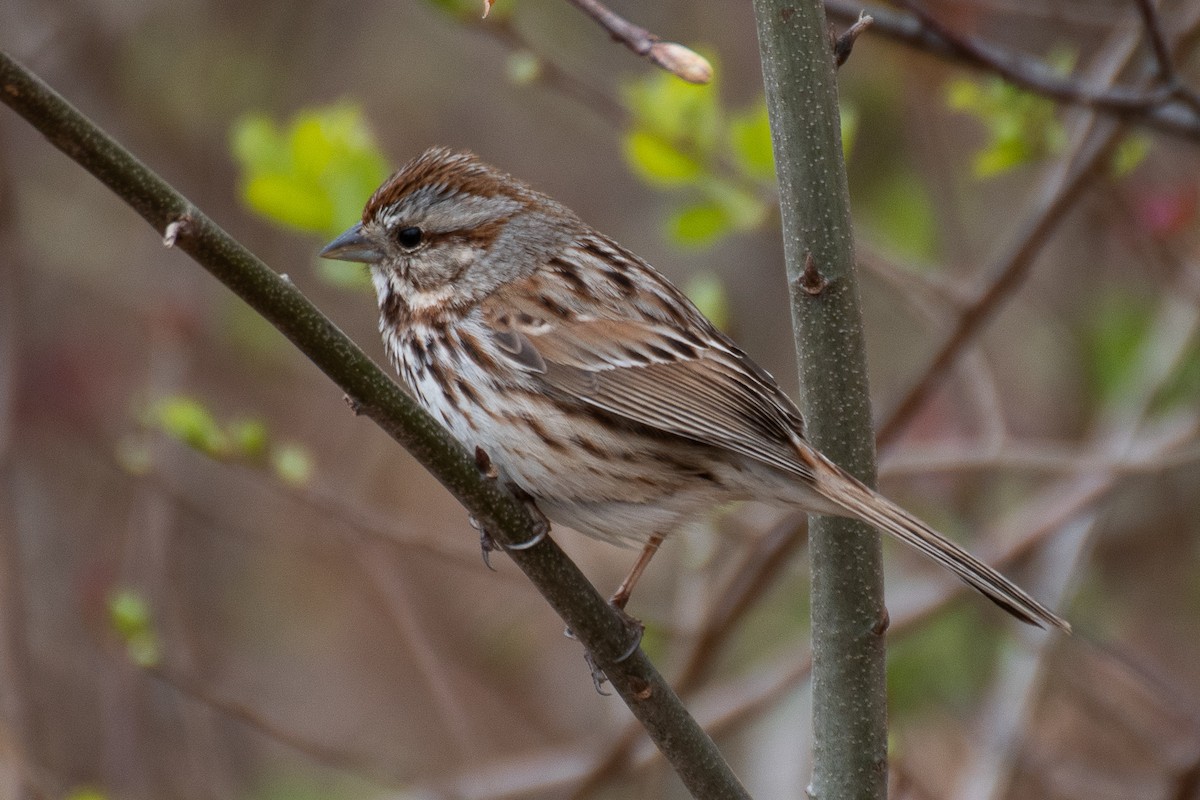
x=699, y=224
x=706, y=290
x=750, y=136
x=188, y=421
x=1115, y=339
x=129, y=615
x=658, y=161
x=293, y=464
x=849, y=124
x=86, y=793
x=684, y=114
x=1132, y=150
x=344, y=274
x=1118, y=328
x=250, y=438
x=313, y=174
x=523, y=67
x=1022, y=127
x=746, y=211
x=290, y=200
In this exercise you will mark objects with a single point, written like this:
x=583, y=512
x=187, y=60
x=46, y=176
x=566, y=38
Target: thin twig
x=1158, y=41
x=740, y=594
x=1061, y=188
x=1006, y=278
x=1153, y=108
x=844, y=44
x=674, y=58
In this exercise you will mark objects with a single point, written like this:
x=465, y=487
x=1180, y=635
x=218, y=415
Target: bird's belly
x=613, y=484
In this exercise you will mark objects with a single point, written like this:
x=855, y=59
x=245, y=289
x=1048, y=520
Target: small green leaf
x=1022, y=127
x=314, y=174
x=1132, y=150
x=129, y=615
x=746, y=211
x=750, y=136
x=290, y=200
x=187, y=420
x=250, y=438
x=699, y=224
x=900, y=212
x=293, y=464
x=523, y=67
x=1001, y=156
x=86, y=793
x=681, y=113
x=706, y=290
x=658, y=161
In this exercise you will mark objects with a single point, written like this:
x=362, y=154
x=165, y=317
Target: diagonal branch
x=674, y=58
x=605, y=635
x=1156, y=107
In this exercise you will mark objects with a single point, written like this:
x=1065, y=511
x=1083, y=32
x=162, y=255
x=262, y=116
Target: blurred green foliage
x=948, y=660
x=1115, y=338
x=312, y=174
x=680, y=137
x=248, y=441
x=900, y=212
x=1021, y=127
x=1131, y=152
x=706, y=290
x=129, y=616
x=86, y=793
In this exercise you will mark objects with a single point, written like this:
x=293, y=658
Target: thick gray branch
x=849, y=702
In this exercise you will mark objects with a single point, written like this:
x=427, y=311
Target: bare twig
x=1158, y=41
x=1155, y=107
x=1009, y=275
x=1089, y=150
x=737, y=598
x=844, y=44
x=1168, y=75
x=674, y=58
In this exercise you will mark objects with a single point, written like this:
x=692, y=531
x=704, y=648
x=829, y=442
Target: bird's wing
x=683, y=379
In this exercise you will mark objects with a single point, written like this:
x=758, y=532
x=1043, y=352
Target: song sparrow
x=591, y=383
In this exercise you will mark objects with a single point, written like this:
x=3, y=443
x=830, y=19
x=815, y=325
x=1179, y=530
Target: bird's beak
x=353, y=245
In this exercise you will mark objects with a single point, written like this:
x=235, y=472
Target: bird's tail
x=859, y=501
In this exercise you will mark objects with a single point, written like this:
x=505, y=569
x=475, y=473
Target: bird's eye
x=409, y=238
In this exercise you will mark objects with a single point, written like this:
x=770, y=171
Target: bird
x=586, y=380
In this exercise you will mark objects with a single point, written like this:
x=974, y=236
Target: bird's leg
x=621, y=596
x=487, y=544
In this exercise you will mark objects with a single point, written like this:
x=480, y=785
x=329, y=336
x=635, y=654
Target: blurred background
x=217, y=582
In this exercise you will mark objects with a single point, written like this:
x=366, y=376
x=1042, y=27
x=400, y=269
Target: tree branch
x=688, y=748
x=674, y=58
x=849, y=699
x=1157, y=107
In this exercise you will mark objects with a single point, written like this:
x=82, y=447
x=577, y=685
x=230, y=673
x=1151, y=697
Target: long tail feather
x=871, y=507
